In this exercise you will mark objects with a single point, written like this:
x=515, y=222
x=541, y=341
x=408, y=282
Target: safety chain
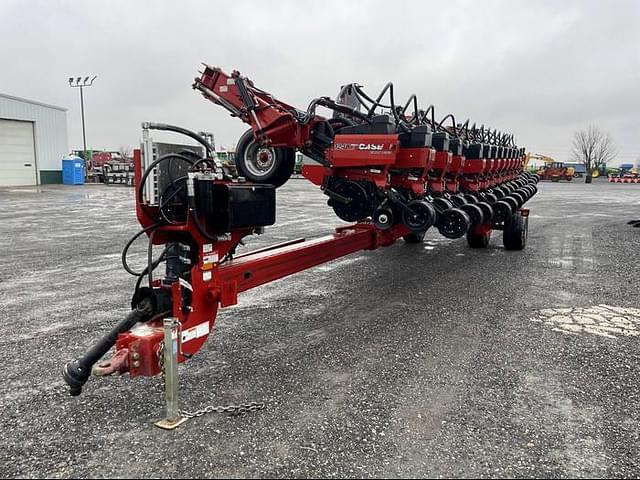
x=233, y=410
x=160, y=355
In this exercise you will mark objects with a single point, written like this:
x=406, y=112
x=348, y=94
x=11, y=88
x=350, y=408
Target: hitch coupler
x=77, y=371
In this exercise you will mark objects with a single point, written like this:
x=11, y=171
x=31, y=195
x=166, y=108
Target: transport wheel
x=261, y=164
x=414, y=237
x=476, y=240
x=514, y=236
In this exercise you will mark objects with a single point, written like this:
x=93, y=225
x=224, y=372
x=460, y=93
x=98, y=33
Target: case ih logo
x=360, y=146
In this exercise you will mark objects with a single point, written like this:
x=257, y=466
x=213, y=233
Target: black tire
x=499, y=192
x=453, y=223
x=502, y=210
x=419, y=215
x=442, y=204
x=487, y=211
x=514, y=236
x=478, y=241
x=490, y=198
x=414, y=237
x=458, y=200
x=512, y=202
x=519, y=197
x=476, y=216
x=275, y=169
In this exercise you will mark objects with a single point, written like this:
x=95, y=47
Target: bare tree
x=593, y=148
x=125, y=152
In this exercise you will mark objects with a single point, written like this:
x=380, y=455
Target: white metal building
x=33, y=142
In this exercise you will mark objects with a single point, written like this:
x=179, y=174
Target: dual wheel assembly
x=477, y=214
x=514, y=230
x=514, y=233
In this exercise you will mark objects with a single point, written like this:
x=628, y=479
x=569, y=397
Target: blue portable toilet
x=73, y=171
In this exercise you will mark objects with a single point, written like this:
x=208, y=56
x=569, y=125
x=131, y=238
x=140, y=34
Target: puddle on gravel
x=602, y=320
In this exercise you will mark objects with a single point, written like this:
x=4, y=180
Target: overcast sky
x=541, y=69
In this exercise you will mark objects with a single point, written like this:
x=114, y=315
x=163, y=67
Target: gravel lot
x=429, y=360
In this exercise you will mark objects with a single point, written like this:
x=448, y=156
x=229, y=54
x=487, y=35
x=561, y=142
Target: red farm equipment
x=392, y=170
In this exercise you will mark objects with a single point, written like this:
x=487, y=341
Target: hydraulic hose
x=184, y=131
x=77, y=371
x=128, y=245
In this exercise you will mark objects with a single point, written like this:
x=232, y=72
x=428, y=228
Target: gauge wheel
x=264, y=164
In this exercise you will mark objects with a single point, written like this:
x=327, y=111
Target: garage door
x=17, y=154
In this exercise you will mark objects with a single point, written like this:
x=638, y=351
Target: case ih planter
x=393, y=175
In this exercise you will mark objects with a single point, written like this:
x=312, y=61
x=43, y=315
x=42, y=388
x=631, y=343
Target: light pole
x=79, y=82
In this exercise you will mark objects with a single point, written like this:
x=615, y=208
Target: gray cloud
x=541, y=69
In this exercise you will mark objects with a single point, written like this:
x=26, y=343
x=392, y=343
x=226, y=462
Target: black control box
x=227, y=206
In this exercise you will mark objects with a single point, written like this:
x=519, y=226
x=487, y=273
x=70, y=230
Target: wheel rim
x=422, y=216
x=383, y=218
x=259, y=161
x=502, y=210
x=455, y=224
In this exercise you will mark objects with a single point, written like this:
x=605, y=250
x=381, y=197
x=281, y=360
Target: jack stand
x=173, y=418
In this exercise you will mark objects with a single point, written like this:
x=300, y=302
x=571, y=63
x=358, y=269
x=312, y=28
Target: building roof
x=19, y=99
